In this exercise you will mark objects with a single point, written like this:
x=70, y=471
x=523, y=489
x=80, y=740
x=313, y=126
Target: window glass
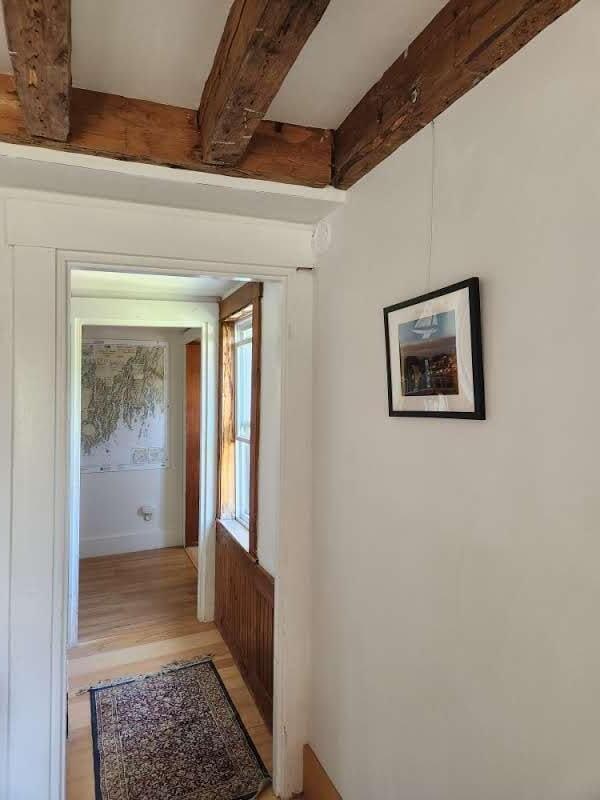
x=242, y=482
x=243, y=389
x=243, y=405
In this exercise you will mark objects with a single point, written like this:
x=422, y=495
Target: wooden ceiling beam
x=466, y=41
x=261, y=41
x=39, y=40
x=138, y=130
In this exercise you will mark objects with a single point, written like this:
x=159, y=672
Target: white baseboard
x=128, y=543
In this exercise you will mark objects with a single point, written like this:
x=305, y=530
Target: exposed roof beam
x=466, y=41
x=137, y=130
x=261, y=41
x=39, y=40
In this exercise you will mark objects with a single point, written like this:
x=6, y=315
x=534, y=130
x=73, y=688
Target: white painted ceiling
x=161, y=51
x=144, y=286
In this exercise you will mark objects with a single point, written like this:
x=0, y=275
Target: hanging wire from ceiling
x=431, y=207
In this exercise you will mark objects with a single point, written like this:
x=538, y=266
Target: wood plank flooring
x=137, y=613
x=192, y=555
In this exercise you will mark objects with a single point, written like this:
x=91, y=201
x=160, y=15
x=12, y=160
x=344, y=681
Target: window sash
x=242, y=482
x=243, y=390
x=242, y=354
x=243, y=330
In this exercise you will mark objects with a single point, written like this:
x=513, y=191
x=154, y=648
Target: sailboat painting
x=428, y=363
x=434, y=354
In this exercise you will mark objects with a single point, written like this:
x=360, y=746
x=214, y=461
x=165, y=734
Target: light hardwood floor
x=137, y=612
x=192, y=555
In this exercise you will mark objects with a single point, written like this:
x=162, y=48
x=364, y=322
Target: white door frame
x=207, y=335
x=291, y=666
x=40, y=232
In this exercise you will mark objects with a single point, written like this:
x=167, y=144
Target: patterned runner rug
x=174, y=735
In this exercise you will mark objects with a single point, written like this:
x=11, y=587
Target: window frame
x=244, y=301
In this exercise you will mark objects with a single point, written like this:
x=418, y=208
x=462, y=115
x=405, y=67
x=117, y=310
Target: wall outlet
x=147, y=512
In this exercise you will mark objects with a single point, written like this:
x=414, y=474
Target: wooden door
x=193, y=369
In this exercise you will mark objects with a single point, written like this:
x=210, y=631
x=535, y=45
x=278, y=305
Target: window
x=239, y=378
x=242, y=388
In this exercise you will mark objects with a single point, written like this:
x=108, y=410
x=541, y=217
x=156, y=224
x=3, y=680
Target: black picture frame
x=472, y=285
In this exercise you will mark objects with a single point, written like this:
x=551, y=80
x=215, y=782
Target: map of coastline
x=123, y=405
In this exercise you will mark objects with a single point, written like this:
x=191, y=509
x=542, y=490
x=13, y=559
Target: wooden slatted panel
x=244, y=614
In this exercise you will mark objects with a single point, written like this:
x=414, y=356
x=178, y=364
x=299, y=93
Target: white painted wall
x=270, y=427
x=109, y=521
x=6, y=361
x=34, y=437
x=456, y=585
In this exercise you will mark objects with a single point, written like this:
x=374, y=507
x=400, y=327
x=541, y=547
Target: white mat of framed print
x=124, y=405
x=434, y=354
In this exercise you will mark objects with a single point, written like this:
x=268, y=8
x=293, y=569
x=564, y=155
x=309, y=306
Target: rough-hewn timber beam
x=261, y=41
x=39, y=40
x=465, y=42
x=137, y=130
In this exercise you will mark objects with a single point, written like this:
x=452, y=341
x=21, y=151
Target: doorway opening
x=148, y=556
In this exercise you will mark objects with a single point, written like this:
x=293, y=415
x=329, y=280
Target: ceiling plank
x=466, y=41
x=261, y=41
x=138, y=130
x=39, y=40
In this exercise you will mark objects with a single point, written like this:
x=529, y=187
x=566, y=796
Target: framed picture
x=434, y=355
